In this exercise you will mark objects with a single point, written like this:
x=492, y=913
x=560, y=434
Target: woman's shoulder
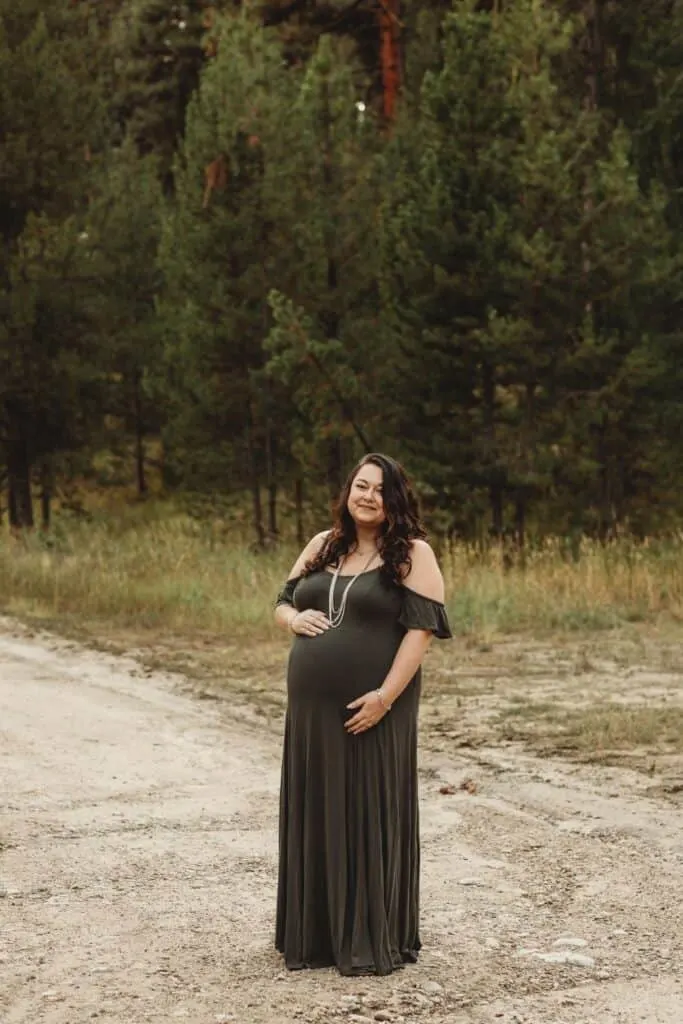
x=316, y=542
x=424, y=575
x=311, y=551
x=421, y=552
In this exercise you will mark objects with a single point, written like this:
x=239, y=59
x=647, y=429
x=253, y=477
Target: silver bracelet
x=380, y=695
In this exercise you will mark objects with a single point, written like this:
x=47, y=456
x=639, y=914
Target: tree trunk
x=390, y=58
x=271, y=481
x=496, y=489
x=334, y=469
x=299, y=506
x=11, y=503
x=45, y=494
x=139, y=436
x=19, y=485
x=257, y=509
x=526, y=468
x=254, y=485
x=605, y=504
x=520, y=526
x=272, y=509
x=496, y=504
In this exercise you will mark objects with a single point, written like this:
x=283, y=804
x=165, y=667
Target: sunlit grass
x=156, y=568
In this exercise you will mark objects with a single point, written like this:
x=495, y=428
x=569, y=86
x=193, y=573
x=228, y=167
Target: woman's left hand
x=370, y=712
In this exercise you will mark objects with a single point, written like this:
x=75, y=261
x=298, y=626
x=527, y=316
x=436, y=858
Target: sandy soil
x=138, y=859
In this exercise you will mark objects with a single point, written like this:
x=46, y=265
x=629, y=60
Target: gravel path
x=138, y=859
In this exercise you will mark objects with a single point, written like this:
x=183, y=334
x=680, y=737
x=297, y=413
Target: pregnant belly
x=338, y=665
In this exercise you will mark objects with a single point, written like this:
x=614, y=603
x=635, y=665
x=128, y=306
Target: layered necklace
x=336, y=615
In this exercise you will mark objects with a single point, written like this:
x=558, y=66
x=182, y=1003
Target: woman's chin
x=370, y=520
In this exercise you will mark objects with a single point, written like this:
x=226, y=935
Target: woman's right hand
x=309, y=623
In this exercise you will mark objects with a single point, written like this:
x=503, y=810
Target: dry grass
x=154, y=568
x=141, y=570
x=597, y=732
x=606, y=586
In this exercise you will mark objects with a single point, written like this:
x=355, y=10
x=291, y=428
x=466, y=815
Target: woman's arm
x=285, y=614
x=425, y=579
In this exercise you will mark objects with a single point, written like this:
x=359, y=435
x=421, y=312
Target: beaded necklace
x=336, y=615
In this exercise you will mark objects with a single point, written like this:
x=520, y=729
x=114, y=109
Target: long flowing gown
x=348, y=881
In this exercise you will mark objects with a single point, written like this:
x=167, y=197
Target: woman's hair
x=401, y=525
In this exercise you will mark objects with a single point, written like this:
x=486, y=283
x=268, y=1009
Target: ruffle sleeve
x=286, y=595
x=419, y=612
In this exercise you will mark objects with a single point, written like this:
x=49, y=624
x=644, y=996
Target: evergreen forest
x=244, y=243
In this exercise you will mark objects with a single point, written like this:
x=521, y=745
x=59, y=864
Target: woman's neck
x=366, y=541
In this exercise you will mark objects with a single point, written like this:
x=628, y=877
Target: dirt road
x=138, y=858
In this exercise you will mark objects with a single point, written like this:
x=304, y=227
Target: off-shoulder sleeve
x=286, y=595
x=419, y=612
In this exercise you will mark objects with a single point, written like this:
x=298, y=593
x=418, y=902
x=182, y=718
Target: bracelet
x=380, y=695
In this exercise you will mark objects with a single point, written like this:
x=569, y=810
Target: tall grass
x=607, y=585
x=165, y=571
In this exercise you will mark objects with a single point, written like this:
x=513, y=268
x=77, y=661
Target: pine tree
x=320, y=343
x=159, y=50
x=50, y=111
x=122, y=235
x=221, y=254
x=513, y=231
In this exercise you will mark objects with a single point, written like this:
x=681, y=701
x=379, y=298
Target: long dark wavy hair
x=401, y=525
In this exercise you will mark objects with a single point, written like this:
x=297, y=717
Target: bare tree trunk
x=520, y=526
x=496, y=492
x=299, y=506
x=254, y=484
x=45, y=493
x=11, y=503
x=139, y=436
x=390, y=59
x=271, y=481
x=257, y=508
x=496, y=504
x=526, y=466
x=20, y=499
x=334, y=468
x=606, y=517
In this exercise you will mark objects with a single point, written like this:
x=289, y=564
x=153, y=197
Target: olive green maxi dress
x=348, y=882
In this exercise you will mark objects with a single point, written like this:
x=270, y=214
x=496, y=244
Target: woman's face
x=365, y=503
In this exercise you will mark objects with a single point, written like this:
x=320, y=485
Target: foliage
x=517, y=242
x=50, y=112
x=215, y=253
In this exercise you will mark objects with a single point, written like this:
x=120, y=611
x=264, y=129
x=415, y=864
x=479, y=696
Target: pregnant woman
x=363, y=601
